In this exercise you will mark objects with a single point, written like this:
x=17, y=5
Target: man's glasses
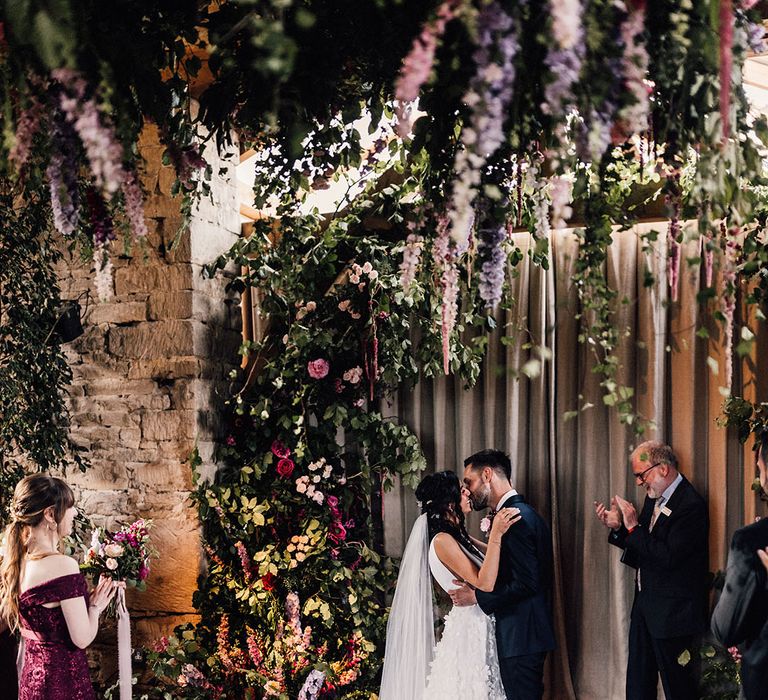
x=642, y=476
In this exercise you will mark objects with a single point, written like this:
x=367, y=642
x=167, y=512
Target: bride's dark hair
x=440, y=497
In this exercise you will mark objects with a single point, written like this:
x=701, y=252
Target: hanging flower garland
x=489, y=94
x=633, y=118
x=417, y=66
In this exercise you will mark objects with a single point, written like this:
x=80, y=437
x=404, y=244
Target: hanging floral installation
x=494, y=118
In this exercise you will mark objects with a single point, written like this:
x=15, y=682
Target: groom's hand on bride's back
x=463, y=595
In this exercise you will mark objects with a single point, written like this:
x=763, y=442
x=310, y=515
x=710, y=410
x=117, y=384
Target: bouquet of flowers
x=123, y=555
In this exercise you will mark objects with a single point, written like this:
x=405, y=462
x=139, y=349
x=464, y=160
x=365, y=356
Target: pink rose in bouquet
x=123, y=555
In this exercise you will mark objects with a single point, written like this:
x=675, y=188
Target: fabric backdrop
x=562, y=465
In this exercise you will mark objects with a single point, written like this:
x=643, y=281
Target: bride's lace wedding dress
x=465, y=664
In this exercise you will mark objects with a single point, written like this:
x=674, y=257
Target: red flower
x=268, y=582
x=280, y=450
x=285, y=467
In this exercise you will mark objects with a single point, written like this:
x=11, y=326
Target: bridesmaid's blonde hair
x=32, y=496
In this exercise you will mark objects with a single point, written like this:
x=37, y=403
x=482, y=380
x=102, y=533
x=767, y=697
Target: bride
x=464, y=664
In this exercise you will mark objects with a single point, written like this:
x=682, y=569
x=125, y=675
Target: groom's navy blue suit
x=520, y=602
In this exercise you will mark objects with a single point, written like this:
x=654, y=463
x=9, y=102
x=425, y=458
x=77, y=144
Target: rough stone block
x=165, y=475
x=103, y=502
x=109, y=475
x=152, y=340
x=147, y=278
x=118, y=313
x=170, y=305
x=120, y=387
x=168, y=425
x=130, y=437
x=172, y=368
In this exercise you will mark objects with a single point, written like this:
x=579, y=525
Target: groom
x=520, y=599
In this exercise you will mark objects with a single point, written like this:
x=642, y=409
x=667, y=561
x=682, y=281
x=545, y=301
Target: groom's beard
x=480, y=500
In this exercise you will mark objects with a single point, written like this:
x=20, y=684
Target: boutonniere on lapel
x=665, y=511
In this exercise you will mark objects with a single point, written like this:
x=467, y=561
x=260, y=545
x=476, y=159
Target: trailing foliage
x=34, y=373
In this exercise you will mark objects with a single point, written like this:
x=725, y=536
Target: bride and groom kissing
x=497, y=635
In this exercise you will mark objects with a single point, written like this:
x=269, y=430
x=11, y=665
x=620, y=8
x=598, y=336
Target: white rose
x=367, y=267
x=113, y=550
x=354, y=279
x=111, y=564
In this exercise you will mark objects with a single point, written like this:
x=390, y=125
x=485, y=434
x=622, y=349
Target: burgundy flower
x=268, y=582
x=280, y=450
x=230, y=440
x=285, y=467
x=318, y=369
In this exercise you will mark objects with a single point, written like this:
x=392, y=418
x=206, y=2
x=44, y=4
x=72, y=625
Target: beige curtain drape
x=562, y=466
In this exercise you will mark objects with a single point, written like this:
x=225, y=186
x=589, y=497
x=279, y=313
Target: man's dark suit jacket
x=520, y=599
x=741, y=615
x=673, y=560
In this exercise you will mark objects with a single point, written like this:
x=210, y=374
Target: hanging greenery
x=489, y=116
x=34, y=373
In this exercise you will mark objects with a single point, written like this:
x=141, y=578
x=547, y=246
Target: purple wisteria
x=564, y=61
x=493, y=262
x=489, y=95
x=417, y=66
x=62, y=179
x=104, y=151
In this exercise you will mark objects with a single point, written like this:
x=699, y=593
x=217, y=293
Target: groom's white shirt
x=508, y=494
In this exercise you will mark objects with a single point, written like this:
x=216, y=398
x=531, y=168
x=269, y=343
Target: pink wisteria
x=417, y=66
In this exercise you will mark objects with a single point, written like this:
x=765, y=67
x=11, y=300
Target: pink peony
x=318, y=368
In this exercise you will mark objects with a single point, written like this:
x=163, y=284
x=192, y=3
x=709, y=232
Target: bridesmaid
x=44, y=595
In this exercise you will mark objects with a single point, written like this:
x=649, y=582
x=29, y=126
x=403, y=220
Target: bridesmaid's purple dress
x=54, y=668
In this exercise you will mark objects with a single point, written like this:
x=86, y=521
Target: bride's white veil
x=411, y=626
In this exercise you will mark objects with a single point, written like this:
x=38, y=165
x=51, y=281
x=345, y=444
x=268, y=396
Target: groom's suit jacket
x=520, y=599
x=673, y=559
x=741, y=615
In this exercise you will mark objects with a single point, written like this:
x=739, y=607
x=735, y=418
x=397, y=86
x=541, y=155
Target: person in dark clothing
x=667, y=545
x=740, y=617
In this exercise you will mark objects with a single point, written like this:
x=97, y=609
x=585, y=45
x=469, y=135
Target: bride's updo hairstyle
x=440, y=497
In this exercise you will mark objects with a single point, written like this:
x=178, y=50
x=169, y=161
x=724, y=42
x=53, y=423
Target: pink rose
x=285, y=467
x=318, y=368
x=280, y=450
x=333, y=501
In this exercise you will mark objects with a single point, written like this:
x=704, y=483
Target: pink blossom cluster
x=27, y=126
x=134, y=204
x=358, y=272
x=104, y=151
x=245, y=561
x=414, y=245
x=733, y=249
x=674, y=248
x=417, y=66
x=445, y=259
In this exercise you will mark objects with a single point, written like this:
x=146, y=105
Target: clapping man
x=741, y=615
x=667, y=545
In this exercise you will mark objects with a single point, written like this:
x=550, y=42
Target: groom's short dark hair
x=495, y=459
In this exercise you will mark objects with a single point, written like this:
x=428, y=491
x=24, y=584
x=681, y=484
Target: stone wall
x=150, y=381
